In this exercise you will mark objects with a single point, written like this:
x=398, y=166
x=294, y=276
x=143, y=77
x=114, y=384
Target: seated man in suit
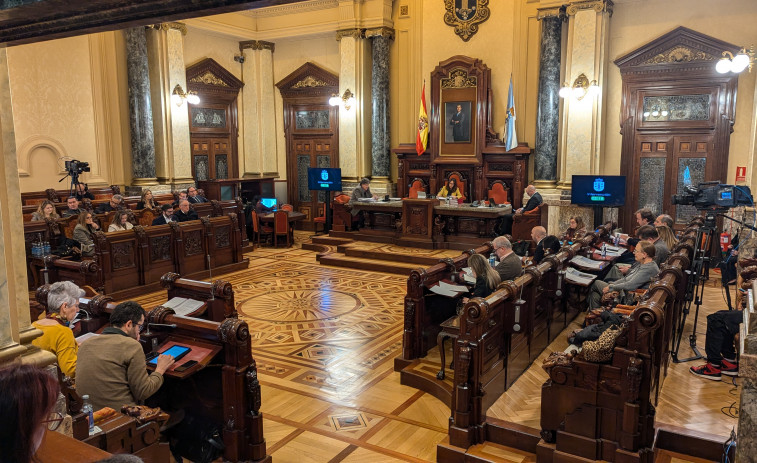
x=362, y=191
x=182, y=196
x=116, y=202
x=194, y=197
x=73, y=207
x=664, y=219
x=533, y=202
x=637, y=277
x=166, y=215
x=509, y=266
x=111, y=368
x=185, y=214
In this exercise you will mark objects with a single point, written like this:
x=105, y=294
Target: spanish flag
x=421, y=141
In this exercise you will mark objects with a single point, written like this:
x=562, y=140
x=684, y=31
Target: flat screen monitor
x=270, y=203
x=325, y=178
x=598, y=190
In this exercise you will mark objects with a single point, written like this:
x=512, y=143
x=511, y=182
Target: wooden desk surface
x=58, y=448
x=292, y=215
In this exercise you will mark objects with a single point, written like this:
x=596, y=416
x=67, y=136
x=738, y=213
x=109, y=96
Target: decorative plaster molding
x=310, y=81
x=558, y=11
x=172, y=25
x=458, y=78
x=597, y=5
x=354, y=33
x=26, y=149
x=210, y=79
x=383, y=31
x=256, y=45
x=680, y=54
x=292, y=8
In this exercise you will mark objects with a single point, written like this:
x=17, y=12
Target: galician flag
x=511, y=138
x=421, y=141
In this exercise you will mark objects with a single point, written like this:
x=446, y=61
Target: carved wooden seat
x=417, y=185
x=498, y=192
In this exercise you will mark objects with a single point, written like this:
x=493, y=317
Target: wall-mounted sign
x=740, y=174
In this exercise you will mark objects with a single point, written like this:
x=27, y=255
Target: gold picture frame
x=465, y=16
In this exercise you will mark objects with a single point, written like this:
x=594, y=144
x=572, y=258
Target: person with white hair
x=534, y=201
x=508, y=266
x=58, y=338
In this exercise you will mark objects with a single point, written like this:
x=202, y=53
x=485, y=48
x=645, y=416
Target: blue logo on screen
x=599, y=184
x=324, y=174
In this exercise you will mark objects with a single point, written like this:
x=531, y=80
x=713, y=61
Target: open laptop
x=270, y=203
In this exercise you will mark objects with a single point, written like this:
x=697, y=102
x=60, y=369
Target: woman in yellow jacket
x=450, y=189
x=58, y=338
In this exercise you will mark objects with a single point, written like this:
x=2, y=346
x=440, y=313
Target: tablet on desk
x=176, y=351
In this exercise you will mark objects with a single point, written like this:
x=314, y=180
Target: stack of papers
x=574, y=276
x=448, y=290
x=183, y=306
x=468, y=275
x=85, y=336
x=366, y=200
x=584, y=262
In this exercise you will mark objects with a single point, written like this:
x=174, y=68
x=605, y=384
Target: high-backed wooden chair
x=258, y=228
x=462, y=185
x=321, y=219
x=280, y=226
x=68, y=224
x=417, y=185
x=523, y=223
x=498, y=192
x=146, y=216
x=342, y=218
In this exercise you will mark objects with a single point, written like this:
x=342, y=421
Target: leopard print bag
x=600, y=351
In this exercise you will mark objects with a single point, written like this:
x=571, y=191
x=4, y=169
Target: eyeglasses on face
x=141, y=327
x=54, y=420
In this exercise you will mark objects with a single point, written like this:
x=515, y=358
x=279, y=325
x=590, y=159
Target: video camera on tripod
x=75, y=168
x=714, y=195
x=715, y=199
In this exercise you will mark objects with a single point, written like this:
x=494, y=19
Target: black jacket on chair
x=180, y=216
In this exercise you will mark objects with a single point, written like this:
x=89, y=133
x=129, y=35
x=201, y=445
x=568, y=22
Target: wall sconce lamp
x=729, y=63
x=179, y=95
x=346, y=100
x=580, y=88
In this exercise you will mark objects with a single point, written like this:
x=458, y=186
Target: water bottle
x=604, y=250
x=47, y=248
x=87, y=408
x=35, y=249
x=617, y=239
x=492, y=260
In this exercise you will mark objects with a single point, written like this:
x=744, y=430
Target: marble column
x=354, y=123
x=258, y=103
x=582, y=120
x=140, y=109
x=16, y=331
x=548, y=115
x=380, y=130
x=165, y=53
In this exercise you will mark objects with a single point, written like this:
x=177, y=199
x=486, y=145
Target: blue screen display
x=270, y=203
x=325, y=178
x=598, y=190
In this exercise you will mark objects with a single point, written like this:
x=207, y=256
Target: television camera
x=714, y=195
x=75, y=168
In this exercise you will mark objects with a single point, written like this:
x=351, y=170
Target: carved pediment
x=209, y=78
x=309, y=79
x=209, y=72
x=681, y=46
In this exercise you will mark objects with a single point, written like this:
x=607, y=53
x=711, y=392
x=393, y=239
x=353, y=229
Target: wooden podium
x=418, y=222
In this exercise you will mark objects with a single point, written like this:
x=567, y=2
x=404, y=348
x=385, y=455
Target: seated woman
x=84, y=233
x=26, y=405
x=147, y=201
x=450, y=189
x=638, y=276
x=46, y=210
x=120, y=222
x=667, y=236
x=487, y=278
x=62, y=307
x=576, y=230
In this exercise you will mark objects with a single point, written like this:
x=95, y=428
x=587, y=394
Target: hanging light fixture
x=729, y=63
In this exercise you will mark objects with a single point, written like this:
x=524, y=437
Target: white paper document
x=85, y=336
x=574, y=276
x=366, y=200
x=183, y=306
x=468, y=275
x=448, y=290
x=582, y=261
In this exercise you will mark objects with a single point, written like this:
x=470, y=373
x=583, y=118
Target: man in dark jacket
x=185, y=214
x=508, y=266
x=165, y=217
x=533, y=202
x=115, y=203
x=194, y=197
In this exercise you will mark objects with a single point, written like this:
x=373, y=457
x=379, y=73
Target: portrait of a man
x=457, y=115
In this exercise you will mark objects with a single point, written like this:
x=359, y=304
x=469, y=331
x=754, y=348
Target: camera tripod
x=698, y=274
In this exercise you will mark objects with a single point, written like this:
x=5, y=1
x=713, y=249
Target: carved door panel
x=211, y=159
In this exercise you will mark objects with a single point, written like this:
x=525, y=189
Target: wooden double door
x=309, y=151
x=212, y=158
x=664, y=165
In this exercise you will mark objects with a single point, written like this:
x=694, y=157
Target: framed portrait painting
x=457, y=117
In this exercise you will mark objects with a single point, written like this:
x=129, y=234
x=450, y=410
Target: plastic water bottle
x=47, y=248
x=617, y=239
x=604, y=250
x=87, y=408
x=35, y=249
x=492, y=260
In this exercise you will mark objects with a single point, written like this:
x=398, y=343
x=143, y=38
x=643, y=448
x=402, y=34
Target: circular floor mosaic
x=299, y=306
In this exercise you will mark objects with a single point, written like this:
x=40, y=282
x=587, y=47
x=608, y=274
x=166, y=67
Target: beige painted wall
x=63, y=105
x=732, y=22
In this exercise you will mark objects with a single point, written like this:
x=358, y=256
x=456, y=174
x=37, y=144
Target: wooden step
x=330, y=240
x=339, y=260
x=418, y=261
x=488, y=452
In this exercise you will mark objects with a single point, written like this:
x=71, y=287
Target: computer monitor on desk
x=270, y=203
